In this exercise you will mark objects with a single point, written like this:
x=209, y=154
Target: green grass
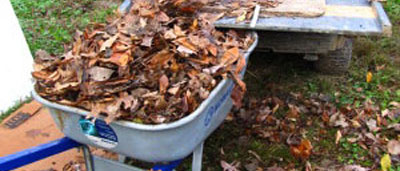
x=49, y=24
x=351, y=153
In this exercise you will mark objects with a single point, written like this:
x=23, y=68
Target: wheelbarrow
x=165, y=143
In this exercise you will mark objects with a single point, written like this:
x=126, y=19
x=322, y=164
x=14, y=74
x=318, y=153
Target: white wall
x=15, y=59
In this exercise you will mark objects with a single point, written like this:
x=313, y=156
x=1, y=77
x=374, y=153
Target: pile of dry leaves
x=154, y=65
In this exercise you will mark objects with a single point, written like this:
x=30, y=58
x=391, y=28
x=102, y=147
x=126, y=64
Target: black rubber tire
x=336, y=62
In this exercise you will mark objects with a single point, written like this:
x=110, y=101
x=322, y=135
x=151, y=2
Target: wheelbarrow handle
x=37, y=153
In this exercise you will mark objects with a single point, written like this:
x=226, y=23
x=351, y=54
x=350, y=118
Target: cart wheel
x=337, y=61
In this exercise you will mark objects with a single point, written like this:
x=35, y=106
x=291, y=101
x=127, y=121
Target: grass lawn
x=49, y=24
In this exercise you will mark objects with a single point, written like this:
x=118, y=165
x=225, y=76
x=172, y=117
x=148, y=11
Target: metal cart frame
x=328, y=39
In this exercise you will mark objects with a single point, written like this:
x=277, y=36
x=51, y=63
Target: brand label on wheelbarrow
x=214, y=108
x=99, y=132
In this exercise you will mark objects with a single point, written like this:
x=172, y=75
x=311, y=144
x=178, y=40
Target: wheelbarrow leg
x=197, y=157
x=88, y=158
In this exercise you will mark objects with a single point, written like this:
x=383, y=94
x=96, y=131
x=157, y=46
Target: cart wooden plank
x=296, y=8
x=287, y=8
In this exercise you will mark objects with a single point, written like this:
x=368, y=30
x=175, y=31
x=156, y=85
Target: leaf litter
x=156, y=64
x=288, y=118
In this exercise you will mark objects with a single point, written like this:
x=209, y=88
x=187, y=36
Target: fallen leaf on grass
x=308, y=166
x=275, y=109
x=372, y=125
x=369, y=77
x=386, y=162
x=275, y=169
x=394, y=104
x=338, y=119
x=385, y=112
x=353, y=168
x=253, y=165
x=396, y=127
x=338, y=136
x=293, y=112
x=393, y=147
x=230, y=167
x=303, y=150
x=237, y=96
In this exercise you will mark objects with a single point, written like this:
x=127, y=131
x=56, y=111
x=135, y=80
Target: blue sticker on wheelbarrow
x=99, y=132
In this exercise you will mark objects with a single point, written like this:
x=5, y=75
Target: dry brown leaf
x=371, y=123
x=302, y=151
x=185, y=50
x=393, y=147
x=186, y=43
x=230, y=167
x=109, y=42
x=147, y=13
x=173, y=90
x=162, y=17
x=338, y=136
x=230, y=56
x=60, y=87
x=121, y=59
x=292, y=113
x=178, y=31
x=212, y=49
x=275, y=169
x=169, y=35
x=241, y=64
x=147, y=41
x=164, y=83
x=353, y=168
x=99, y=73
x=237, y=96
x=395, y=104
x=161, y=58
x=76, y=49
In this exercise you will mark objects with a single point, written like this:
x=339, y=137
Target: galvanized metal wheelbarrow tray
x=151, y=143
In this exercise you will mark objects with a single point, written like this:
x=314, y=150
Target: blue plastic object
x=37, y=153
x=168, y=167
